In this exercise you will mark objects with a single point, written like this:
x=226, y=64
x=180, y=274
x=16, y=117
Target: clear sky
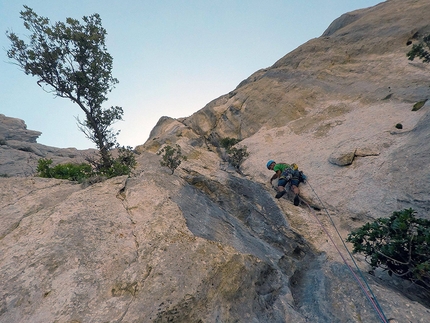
x=171, y=57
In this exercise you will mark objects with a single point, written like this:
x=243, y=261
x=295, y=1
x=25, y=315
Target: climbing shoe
x=296, y=200
x=280, y=194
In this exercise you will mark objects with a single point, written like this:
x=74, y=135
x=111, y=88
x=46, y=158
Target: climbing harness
x=368, y=292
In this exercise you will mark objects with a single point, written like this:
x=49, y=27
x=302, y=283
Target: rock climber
x=286, y=174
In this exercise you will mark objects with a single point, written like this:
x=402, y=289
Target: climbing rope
x=368, y=292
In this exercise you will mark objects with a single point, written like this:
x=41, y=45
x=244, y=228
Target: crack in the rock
x=122, y=196
x=125, y=312
x=17, y=224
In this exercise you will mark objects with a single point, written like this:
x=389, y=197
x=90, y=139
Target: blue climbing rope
x=369, y=293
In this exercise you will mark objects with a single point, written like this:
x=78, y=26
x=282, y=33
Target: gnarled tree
x=71, y=59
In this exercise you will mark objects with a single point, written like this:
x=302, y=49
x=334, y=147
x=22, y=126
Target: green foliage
x=72, y=61
x=69, y=171
x=420, y=50
x=121, y=165
x=228, y=142
x=399, y=244
x=418, y=105
x=171, y=157
x=126, y=156
x=399, y=126
x=44, y=168
x=237, y=156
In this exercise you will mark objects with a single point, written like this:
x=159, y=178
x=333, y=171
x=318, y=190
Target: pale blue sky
x=171, y=57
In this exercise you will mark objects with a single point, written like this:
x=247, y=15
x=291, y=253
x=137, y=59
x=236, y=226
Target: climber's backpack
x=296, y=173
x=293, y=173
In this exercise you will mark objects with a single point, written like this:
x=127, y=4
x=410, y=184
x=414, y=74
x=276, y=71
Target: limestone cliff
x=207, y=244
x=19, y=150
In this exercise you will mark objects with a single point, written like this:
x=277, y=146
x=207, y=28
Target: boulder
x=16, y=129
x=342, y=159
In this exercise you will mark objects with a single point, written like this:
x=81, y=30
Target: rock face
x=161, y=248
x=16, y=129
x=358, y=60
x=207, y=244
x=19, y=151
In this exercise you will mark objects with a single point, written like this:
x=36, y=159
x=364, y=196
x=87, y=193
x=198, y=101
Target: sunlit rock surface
x=208, y=244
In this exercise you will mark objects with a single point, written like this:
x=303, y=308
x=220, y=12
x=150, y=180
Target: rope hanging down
x=368, y=292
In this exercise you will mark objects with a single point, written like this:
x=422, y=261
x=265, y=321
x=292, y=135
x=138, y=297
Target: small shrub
x=399, y=244
x=399, y=126
x=109, y=166
x=228, y=142
x=237, y=156
x=91, y=172
x=69, y=171
x=121, y=165
x=171, y=157
x=418, y=105
x=44, y=168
